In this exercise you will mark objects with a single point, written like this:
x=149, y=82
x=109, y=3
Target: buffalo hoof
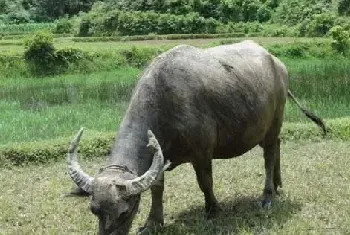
x=213, y=212
x=149, y=229
x=266, y=204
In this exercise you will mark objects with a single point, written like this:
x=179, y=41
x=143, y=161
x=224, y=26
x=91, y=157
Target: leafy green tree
x=344, y=7
x=320, y=24
x=250, y=9
x=53, y=9
x=263, y=13
x=292, y=12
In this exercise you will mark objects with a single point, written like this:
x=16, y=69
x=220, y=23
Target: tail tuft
x=316, y=120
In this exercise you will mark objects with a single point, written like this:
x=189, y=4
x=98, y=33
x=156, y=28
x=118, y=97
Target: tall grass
x=40, y=108
x=323, y=86
x=35, y=109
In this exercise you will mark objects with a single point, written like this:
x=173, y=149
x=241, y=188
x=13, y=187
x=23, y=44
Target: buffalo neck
x=130, y=148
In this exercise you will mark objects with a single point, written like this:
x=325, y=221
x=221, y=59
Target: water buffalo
x=190, y=105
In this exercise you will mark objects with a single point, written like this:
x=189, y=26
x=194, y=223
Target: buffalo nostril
x=95, y=210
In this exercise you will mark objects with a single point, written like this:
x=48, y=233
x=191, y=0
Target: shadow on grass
x=241, y=214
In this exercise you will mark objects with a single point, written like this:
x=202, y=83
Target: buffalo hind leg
x=205, y=180
x=155, y=218
x=272, y=171
x=277, y=179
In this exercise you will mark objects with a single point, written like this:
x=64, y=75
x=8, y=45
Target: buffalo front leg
x=205, y=181
x=155, y=218
x=272, y=172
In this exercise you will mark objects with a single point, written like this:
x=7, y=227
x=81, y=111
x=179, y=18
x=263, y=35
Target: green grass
x=314, y=199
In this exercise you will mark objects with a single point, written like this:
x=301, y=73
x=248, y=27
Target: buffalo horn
x=144, y=182
x=83, y=180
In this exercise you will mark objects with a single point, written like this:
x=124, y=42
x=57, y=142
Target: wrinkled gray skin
x=201, y=105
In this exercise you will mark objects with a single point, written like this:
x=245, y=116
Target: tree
x=344, y=7
x=53, y=9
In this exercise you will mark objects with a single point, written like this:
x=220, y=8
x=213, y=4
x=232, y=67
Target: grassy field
x=314, y=199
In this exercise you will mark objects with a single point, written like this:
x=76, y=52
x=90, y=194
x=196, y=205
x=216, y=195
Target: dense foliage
x=92, y=18
x=24, y=11
x=128, y=17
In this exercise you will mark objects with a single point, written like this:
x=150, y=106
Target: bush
x=63, y=26
x=293, y=50
x=275, y=30
x=140, y=57
x=293, y=12
x=340, y=41
x=319, y=25
x=241, y=27
x=40, y=54
x=43, y=59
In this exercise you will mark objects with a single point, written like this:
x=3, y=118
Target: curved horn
x=144, y=182
x=83, y=180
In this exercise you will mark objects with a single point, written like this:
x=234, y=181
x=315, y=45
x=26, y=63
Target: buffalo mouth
x=123, y=227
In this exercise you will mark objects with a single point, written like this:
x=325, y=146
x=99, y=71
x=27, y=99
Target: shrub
x=340, y=41
x=140, y=57
x=320, y=24
x=275, y=30
x=40, y=54
x=293, y=12
x=64, y=25
x=43, y=59
x=294, y=50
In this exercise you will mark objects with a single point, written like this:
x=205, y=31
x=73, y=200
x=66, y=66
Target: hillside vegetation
x=111, y=17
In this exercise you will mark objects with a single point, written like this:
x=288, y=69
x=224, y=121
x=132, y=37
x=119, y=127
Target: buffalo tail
x=309, y=114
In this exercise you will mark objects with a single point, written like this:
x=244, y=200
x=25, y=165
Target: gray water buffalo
x=191, y=105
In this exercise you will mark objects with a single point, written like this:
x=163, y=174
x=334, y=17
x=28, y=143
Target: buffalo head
x=115, y=190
